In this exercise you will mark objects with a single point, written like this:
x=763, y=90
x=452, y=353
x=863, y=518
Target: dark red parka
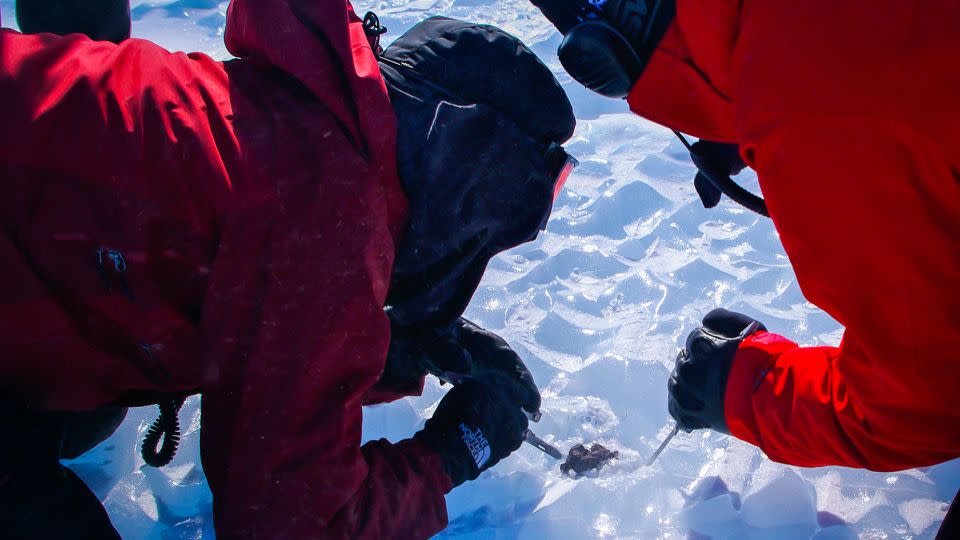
x=177, y=224
x=848, y=112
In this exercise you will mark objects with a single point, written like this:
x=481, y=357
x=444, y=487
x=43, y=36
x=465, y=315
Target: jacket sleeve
x=295, y=314
x=868, y=212
x=298, y=335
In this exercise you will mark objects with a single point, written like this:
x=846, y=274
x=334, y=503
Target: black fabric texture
x=84, y=430
x=720, y=158
x=697, y=386
x=404, y=365
x=39, y=498
x=709, y=193
x=100, y=20
x=601, y=59
x=490, y=357
x=608, y=49
x=481, y=64
x=490, y=408
x=716, y=163
x=642, y=22
x=462, y=352
x=717, y=159
x=476, y=114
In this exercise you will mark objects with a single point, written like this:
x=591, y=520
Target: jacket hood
x=479, y=63
x=480, y=121
x=322, y=44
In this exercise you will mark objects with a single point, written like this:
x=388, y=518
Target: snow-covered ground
x=597, y=306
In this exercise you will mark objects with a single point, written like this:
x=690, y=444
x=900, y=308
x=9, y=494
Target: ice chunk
x=784, y=501
x=920, y=514
x=715, y=517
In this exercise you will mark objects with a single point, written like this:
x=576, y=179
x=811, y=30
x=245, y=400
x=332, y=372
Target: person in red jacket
x=177, y=225
x=847, y=111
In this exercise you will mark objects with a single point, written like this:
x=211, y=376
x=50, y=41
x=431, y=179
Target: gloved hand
x=474, y=427
x=487, y=355
x=715, y=159
x=462, y=352
x=698, y=383
x=608, y=44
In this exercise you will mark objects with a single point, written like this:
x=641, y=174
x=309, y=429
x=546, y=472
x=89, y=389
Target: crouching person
x=177, y=225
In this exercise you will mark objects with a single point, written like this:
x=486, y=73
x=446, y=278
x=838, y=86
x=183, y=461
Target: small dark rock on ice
x=581, y=460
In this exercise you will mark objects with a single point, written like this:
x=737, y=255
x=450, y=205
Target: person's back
x=179, y=225
x=190, y=209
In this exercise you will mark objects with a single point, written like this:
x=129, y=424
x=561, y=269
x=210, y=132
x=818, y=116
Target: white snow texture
x=597, y=307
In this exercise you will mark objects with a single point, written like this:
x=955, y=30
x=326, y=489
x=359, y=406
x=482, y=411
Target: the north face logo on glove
x=477, y=443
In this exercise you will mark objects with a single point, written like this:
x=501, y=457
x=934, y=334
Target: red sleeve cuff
x=752, y=365
x=434, y=464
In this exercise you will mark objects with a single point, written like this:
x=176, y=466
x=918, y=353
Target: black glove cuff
x=457, y=461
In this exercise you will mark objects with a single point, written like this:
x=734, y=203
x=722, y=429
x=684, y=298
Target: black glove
x=698, y=383
x=474, y=427
x=608, y=44
x=462, y=352
x=488, y=355
x=717, y=160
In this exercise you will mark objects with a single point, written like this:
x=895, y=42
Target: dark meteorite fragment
x=580, y=460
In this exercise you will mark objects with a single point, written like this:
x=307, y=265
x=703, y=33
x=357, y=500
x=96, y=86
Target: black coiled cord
x=167, y=426
x=728, y=187
x=373, y=30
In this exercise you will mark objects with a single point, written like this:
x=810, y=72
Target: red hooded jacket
x=848, y=112
x=177, y=224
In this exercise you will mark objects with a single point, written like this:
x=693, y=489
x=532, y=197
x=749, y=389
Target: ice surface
x=597, y=307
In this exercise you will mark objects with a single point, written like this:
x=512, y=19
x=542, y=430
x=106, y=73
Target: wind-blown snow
x=597, y=306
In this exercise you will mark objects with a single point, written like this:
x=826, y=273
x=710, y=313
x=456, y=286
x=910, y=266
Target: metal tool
x=663, y=445
x=542, y=445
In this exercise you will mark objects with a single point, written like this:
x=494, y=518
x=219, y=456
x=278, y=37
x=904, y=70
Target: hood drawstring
x=373, y=29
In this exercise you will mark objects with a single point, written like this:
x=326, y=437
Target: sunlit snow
x=597, y=307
